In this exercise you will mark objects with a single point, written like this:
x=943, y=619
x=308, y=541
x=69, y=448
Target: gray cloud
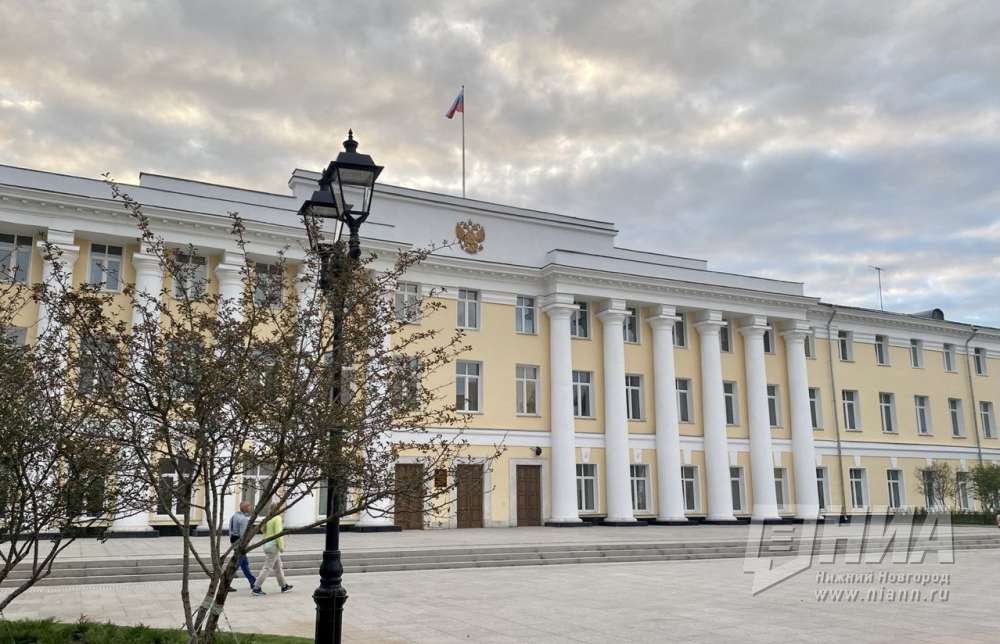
x=796, y=140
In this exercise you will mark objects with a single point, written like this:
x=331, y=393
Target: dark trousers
x=244, y=564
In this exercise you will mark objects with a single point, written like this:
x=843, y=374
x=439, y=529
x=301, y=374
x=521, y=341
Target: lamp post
x=357, y=174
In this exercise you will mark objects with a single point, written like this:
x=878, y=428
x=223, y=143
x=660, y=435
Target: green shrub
x=87, y=632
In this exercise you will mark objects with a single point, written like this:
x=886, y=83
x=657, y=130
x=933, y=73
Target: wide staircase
x=112, y=571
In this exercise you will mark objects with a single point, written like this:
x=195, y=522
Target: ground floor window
x=894, y=478
x=821, y=487
x=586, y=487
x=736, y=483
x=859, y=487
x=962, y=491
x=689, y=483
x=780, y=488
x=255, y=479
x=640, y=487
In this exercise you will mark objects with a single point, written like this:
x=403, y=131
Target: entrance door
x=470, y=496
x=409, y=511
x=529, y=495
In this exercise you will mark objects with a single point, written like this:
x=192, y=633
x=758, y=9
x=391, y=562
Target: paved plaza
x=663, y=601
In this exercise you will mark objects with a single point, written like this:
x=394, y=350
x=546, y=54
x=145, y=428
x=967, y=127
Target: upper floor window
x=989, y=423
x=582, y=394
x=633, y=396
x=887, y=411
x=809, y=344
x=680, y=332
x=409, y=375
x=683, y=386
x=268, y=285
x=922, y=406
x=956, y=416
x=725, y=339
x=97, y=367
x=468, y=392
x=949, y=357
x=106, y=266
x=773, y=406
x=191, y=279
x=845, y=345
x=524, y=315
x=916, y=354
x=630, y=325
x=579, y=322
x=815, y=408
x=852, y=415
x=979, y=360
x=468, y=309
x=407, y=301
x=769, y=340
x=882, y=350
x=526, y=377
x=729, y=396
x=15, y=258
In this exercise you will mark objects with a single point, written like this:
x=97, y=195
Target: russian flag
x=458, y=105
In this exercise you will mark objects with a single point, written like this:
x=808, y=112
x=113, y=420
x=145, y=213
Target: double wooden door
x=529, y=495
x=469, y=480
x=409, y=503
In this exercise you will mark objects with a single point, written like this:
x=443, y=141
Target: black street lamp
x=354, y=173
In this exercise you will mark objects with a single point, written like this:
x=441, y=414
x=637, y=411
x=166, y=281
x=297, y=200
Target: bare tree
x=57, y=481
x=214, y=388
x=938, y=483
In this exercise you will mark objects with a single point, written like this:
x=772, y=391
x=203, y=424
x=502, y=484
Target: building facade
x=625, y=385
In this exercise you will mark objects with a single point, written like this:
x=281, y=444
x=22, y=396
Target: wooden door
x=529, y=495
x=470, y=496
x=409, y=512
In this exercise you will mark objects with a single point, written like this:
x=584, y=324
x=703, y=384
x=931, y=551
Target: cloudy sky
x=799, y=140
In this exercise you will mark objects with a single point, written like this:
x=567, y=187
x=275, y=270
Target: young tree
x=985, y=480
x=217, y=388
x=938, y=483
x=56, y=480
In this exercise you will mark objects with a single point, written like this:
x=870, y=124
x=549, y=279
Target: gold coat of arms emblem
x=470, y=236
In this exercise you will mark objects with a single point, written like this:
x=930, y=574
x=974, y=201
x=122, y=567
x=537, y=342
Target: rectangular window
x=887, y=411
x=683, y=400
x=468, y=309
x=933, y=494
x=582, y=390
x=527, y=389
x=769, y=340
x=773, y=406
x=255, y=480
x=106, y=266
x=859, y=487
x=894, y=478
x=916, y=354
x=956, y=416
x=407, y=302
x=852, y=416
x=586, y=487
x=979, y=360
x=630, y=325
x=809, y=344
x=962, y=494
x=988, y=422
x=409, y=376
x=267, y=289
x=15, y=258
x=780, y=488
x=524, y=315
x=18, y=337
x=640, y=487
x=815, y=408
x=949, y=357
x=579, y=322
x=689, y=483
x=822, y=489
x=736, y=484
x=468, y=385
x=725, y=341
x=845, y=345
x=882, y=350
x=922, y=405
x=680, y=332
x=633, y=396
x=96, y=372
x=729, y=395
x=191, y=278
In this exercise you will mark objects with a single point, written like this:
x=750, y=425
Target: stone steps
x=307, y=563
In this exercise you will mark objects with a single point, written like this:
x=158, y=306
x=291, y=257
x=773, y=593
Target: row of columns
x=561, y=307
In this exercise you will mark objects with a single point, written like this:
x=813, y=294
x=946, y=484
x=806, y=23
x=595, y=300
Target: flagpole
x=463, y=141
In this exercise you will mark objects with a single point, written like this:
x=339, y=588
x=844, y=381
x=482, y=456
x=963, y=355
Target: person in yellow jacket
x=272, y=554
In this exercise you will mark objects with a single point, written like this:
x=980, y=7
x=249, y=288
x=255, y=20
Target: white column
x=720, y=498
x=765, y=503
x=668, y=440
x=229, y=273
x=559, y=308
x=616, y=454
x=803, y=448
x=64, y=253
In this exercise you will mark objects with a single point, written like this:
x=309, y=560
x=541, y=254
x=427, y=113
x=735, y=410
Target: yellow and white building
x=625, y=385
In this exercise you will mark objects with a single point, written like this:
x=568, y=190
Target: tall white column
x=803, y=448
x=668, y=440
x=765, y=503
x=616, y=458
x=720, y=497
x=559, y=307
x=64, y=254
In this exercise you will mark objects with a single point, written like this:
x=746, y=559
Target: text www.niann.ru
x=882, y=594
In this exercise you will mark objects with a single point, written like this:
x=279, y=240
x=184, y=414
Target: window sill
x=585, y=417
x=882, y=364
x=926, y=435
x=636, y=343
x=526, y=332
x=848, y=429
x=579, y=337
x=916, y=366
x=635, y=420
x=469, y=413
x=851, y=360
x=467, y=328
x=961, y=437
x=518, y=415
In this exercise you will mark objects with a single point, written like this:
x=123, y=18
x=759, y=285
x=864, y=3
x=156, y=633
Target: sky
x=797, y=140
